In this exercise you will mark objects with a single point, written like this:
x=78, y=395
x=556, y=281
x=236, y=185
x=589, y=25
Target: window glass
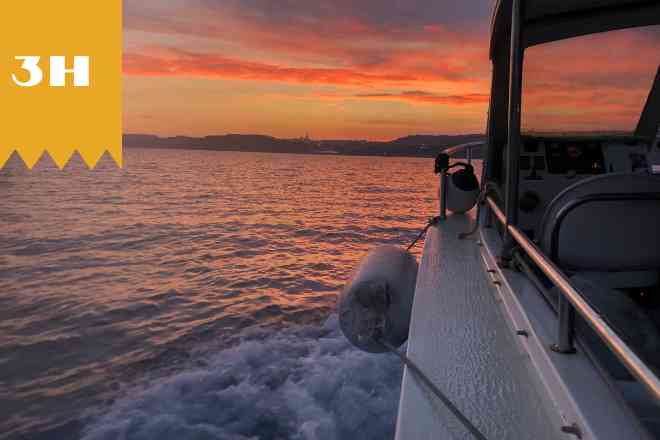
x=596, y=83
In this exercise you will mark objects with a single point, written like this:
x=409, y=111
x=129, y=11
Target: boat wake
x=300, y=383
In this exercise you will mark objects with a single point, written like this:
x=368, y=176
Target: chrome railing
x=571, y=299
x=467, y=147
x=577, y=302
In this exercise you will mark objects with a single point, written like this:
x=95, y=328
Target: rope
x=439, y=394
x=485, y=188
x=432, y=221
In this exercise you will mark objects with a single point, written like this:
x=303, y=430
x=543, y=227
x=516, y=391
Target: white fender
x=462, y=190
x=376, y=303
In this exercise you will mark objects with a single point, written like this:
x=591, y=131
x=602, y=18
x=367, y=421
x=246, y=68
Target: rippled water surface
x=190, y=295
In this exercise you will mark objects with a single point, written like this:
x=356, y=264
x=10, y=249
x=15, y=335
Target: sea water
x=191, y=294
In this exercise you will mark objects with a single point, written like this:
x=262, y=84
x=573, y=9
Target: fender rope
x=435, y=390
x=485, y=188
x=432, y=221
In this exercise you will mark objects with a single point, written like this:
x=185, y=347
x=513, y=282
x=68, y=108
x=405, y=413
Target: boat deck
x=460, y=338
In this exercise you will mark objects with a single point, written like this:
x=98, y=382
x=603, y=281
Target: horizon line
x=300, y=137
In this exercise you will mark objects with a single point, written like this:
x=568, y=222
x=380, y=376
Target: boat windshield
x=593, y=84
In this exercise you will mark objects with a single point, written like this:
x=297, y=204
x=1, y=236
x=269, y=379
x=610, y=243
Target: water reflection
x=110, y=275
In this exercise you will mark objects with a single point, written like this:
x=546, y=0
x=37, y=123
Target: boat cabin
x=576, y=216
x=539, y=314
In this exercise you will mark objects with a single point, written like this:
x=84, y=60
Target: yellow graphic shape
x=61, y=120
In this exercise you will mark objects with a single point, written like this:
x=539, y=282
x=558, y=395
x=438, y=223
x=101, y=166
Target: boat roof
x=551, y=20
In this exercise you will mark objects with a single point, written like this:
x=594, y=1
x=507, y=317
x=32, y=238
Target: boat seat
x=604, y=232
x=606, y=228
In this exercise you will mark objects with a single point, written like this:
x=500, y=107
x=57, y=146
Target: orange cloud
x=214, y=66
x=413, y=96
x=171, y=62
x=428, y=97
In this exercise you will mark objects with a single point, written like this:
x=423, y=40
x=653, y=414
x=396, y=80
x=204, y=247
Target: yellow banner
x=60, y=80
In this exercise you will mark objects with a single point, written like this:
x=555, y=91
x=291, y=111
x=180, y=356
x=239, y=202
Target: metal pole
x=566, y=327
x=513, y=147
x=488, y=217
x=443, y=195
x=527, y=270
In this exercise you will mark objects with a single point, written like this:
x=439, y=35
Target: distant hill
x=415, y=145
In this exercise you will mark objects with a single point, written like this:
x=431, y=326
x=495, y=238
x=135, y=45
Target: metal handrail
x=451, y=151
x=636, y=366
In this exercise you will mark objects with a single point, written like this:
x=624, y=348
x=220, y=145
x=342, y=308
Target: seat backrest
x=607, y=223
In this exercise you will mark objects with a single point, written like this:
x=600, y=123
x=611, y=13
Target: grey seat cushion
x=605, y=223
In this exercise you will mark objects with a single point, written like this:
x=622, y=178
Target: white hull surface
x=460, y=338
x=482, y=335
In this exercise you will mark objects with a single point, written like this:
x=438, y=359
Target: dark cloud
x=421, y=40
x=394, y=13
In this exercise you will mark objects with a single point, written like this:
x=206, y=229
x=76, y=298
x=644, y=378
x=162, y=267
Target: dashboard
x=550, y=164
x=578, y=157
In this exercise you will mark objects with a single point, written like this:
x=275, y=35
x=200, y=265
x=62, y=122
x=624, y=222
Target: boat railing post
x=488, y=212
x=566, y=327
x=488, y=217
x=443, y=194
x=513, y=141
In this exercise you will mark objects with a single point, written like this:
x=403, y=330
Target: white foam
x=306, y=383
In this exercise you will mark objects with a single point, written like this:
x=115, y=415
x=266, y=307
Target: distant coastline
x=409, y=146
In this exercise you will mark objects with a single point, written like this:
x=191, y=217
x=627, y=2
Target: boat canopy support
x=544, y=21
x=649, y=121
x=513, y=132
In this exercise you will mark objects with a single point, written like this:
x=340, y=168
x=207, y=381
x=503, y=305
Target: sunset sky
x=368, y=69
